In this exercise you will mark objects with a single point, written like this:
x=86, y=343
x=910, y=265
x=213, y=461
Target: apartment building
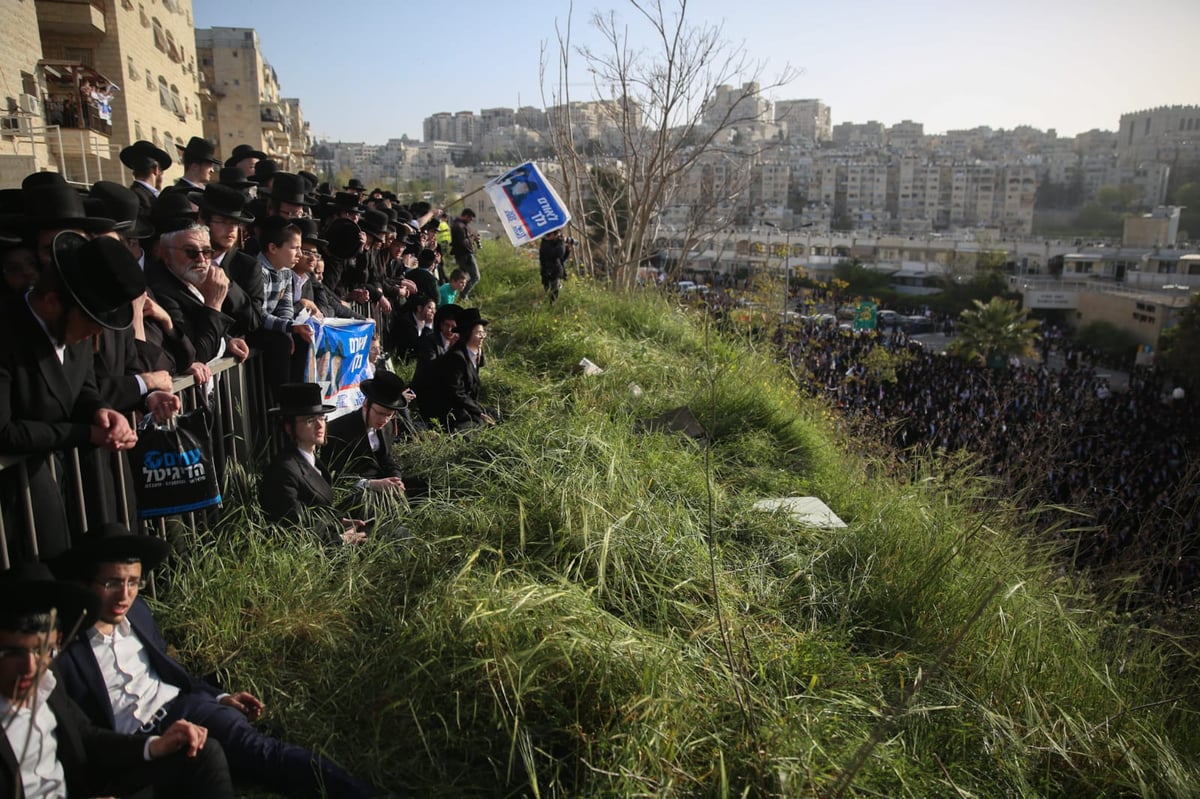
x=100, y=74
x=805, y=119
x=1168, y=135
x=242, y=102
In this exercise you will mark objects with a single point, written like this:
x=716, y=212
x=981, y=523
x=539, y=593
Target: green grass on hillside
x=553, y=629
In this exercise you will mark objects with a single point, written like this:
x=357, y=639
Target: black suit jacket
x=427, y=283
x=455, y=391
x=46, y=407
x=293, y=492
x=146, y=197
x=404, y=333
x=204, y=327
x=349, y=453
x=90, y=756
x=244, y=305
x=81, y=677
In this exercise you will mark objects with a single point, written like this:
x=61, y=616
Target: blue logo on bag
x=161, y=460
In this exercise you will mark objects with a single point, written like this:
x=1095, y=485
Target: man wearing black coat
x=222, y=209
x=124, y=647
x=457, y=387
x=49, y=400
x=296, y=487
x=360, y=442
x=49, y=746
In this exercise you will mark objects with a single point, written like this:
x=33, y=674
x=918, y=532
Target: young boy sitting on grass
x=449, y=292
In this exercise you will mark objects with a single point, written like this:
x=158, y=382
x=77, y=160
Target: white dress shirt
x=135, y=690
x=31, y=736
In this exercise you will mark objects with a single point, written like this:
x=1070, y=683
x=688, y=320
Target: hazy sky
x=370, y=70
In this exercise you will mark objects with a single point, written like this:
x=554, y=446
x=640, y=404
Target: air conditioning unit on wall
x=29, y=104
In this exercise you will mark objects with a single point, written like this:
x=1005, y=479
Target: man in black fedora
x=296, y=487
x=223, y=209
x=245, y=157
x=49, y=400
x=199, y=160
x=360, y=442
x=51, y=207
x=356, y=187
x=119, y=672
x=288, y=196
x=49, y=747
x=147, y=163
x=455, y=391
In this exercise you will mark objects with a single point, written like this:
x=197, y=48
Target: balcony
x=273, y=118
x=77, y=97
x=71, y=17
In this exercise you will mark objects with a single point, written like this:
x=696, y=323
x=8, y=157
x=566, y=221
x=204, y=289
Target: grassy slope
x=553, y=629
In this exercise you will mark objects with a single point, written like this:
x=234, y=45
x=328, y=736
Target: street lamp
x=787, y=289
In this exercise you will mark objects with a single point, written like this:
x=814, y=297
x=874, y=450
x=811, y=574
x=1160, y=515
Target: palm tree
x=992, y=333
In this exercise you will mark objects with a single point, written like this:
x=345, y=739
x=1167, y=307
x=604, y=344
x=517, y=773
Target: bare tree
x=675, y=123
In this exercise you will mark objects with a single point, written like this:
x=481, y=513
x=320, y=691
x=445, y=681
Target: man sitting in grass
x=119, y=672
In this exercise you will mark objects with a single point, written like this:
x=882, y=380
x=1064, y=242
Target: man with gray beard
x=191, y=290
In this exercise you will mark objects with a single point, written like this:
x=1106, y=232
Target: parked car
x=916, y=324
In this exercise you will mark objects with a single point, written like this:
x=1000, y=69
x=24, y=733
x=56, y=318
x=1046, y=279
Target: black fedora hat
x=289, y=188
x=345, y=201
x=101, y=275
x=448, y=311
x=468, y=318
x=198, y=150
x=310, y=180
x=51, y=204
x=264, y=170
x=221, y=200
x=375, y=223
x=355, y=185
x=135, y=155
x=121, y=204
x=300, y=399
x=32, y=588
x=234, y=177
x=110, y=543
x=170, y=209
x=310, y=232
x=385, y=389
x=242, y=152
x=345, y=238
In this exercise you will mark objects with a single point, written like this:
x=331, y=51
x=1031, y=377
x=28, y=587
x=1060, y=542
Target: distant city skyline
x=1062, y=64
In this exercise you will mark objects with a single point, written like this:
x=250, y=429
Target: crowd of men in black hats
x=1060, y=439
x=110, y=293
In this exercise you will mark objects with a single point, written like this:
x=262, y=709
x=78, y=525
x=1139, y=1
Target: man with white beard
x=191, y=290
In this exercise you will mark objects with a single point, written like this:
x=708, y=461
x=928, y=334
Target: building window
x=177, y=103
x=164, y=93
x=160, y=38
x=137, y=129
x=145, y=20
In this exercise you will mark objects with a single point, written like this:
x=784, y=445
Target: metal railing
x=240, y=435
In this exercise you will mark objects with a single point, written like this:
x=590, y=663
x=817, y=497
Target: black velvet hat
x=345, y=238
x=50, y=203
x=121, y=204
x=111, y=543
x=221, y=200
x=171, y=209
x=264, y=170
x=355, y=185
x=385, y=389
x=310, y=232
x=242, y=152
x=32, y=588
x=374, y=222
x=135, y=154
x=198, y=150
x=234, y=177
x=289, y=188
x=101, y=275
x=300, y=399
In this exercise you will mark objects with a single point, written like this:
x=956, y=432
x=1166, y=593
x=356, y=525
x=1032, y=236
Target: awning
x=70, y=74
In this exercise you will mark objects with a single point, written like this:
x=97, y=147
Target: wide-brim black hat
x=375, y=223
x=121, y=204
x=355, y=185
x=134, y=154
x=289, y=188
x=242, y=152
x=32, y=588
x=310, y=232
x=234, y=177
x=264, y=170
x=345, y=201
x=221, y=200
x=55, y=205
x=448, y=310
x=385, y=389
x=300, y=399
x=345, y=238
x=111, y=543
x=101, y=275
x=468, y=318
x=197, y=151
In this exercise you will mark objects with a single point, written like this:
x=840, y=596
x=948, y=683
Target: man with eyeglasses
x=192, y=292
x=50, y=748
x=120, y=674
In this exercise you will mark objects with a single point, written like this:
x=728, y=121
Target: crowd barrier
x=241, y=435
